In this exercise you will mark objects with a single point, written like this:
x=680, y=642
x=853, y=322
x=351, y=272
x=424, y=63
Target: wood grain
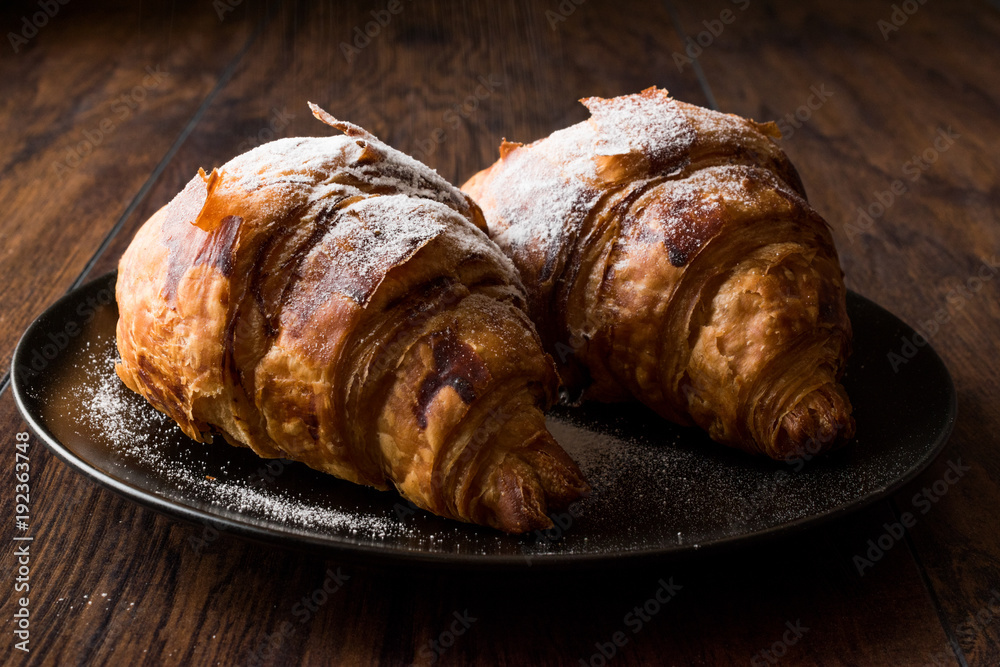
x=114, y=583
x=416, y=84
x=130, y=568
x=91, y=105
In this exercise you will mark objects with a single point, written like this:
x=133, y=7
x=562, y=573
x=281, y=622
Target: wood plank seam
x=929, y=587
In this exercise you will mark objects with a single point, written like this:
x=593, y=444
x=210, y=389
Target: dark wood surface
x=112, y=583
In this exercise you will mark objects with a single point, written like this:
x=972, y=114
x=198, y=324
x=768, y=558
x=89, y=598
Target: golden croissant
x=670, y=256
x=333, y=301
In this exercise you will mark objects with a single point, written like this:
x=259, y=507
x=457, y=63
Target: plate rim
x=397, y=555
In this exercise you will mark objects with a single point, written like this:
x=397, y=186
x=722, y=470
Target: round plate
x=658, y=488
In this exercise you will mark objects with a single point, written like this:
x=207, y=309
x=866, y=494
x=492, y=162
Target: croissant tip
x=558, y=474
x=520, y=505
x=820, y=422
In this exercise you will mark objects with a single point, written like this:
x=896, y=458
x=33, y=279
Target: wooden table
x=107, y=111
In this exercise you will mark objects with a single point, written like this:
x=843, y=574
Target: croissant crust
x=333, y=301
x=670, y=255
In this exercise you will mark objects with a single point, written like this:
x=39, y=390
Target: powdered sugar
x=373, y=207
x=143, y=439
x=540, y=205
x=326, y=167
x=544, y=192
x=364, y=241
x=656, y=486
x=724, y=129
x=649, y=123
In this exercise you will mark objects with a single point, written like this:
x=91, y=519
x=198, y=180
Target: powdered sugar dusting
x=541, y=204
x=364, y=241
x=685, y=213
x=649, y=123
x=717, y=128
x=143, y=438
x=656, y=486
x=544, y=192
x=342, y=165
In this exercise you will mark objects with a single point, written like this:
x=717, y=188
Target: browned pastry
x=670, y=256
x=333, y=301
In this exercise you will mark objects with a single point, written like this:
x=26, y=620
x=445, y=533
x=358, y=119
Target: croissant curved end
x=527, y=492
x=820, y=421
x=520, y=504
x=557, y=473
x=529, y=483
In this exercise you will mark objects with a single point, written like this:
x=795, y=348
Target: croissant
x=670, y=256
x=335, y=302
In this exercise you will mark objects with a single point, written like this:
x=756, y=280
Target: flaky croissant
x=333, y=301
x=670, y=256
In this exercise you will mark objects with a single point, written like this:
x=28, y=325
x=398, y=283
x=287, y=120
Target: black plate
x=658, y=489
